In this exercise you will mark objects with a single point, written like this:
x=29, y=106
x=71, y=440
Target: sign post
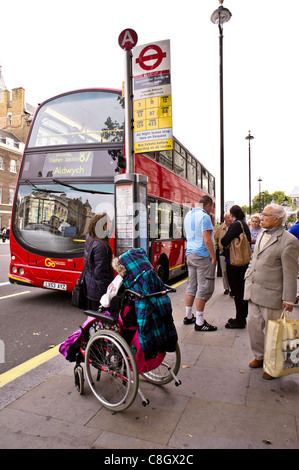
x=127, y=40
x=131, y=217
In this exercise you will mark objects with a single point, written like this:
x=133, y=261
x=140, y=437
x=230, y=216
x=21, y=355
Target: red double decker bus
x=73, y=152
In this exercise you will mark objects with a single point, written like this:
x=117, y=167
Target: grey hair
x=279, y=212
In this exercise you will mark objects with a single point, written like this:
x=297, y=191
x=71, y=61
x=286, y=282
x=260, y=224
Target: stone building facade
x=15, y=119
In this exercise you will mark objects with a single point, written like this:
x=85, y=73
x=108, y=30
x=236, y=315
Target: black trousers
x=235, y=276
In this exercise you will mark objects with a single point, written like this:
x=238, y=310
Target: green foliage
x=261, y=200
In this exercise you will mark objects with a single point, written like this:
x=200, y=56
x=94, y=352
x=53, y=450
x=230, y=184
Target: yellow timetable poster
x=152, y=115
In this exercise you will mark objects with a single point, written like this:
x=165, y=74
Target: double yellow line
x=17, y=371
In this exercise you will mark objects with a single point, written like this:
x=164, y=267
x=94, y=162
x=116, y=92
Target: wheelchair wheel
x=162, y=374
x=111, y=370
x=79, y=379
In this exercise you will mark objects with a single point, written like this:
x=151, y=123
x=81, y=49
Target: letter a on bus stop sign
x=127, y=39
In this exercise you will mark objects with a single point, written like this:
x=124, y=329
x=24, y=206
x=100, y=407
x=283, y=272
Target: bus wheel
x=162, y=270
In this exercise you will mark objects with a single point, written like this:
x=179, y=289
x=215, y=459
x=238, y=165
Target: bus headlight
x=21, y=271
x=14, y=269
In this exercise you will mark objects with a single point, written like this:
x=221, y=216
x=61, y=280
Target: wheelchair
x=113, y=366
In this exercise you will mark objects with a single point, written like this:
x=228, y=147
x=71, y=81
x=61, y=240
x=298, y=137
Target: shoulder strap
x=241, y=226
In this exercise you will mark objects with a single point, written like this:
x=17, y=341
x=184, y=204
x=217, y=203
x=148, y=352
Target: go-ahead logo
x=49, y=263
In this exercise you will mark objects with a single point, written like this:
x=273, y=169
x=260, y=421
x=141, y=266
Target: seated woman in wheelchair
x=156, y=329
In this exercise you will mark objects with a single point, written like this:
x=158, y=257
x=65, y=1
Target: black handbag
x=79, y=295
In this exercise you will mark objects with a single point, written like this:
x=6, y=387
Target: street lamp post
x=220, y=16
x=259, y=181
x=249, y=138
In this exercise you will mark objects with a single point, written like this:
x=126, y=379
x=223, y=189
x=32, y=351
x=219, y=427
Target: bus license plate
x=54, y=285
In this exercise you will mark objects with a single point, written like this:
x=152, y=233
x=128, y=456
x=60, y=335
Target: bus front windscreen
x=53, y=219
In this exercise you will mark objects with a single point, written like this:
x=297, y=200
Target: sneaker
x=205, y=327
x=188, y=321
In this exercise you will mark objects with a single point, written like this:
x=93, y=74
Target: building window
x=1, y=194
x=1, y=163
x=11, y=195
x=13, y=166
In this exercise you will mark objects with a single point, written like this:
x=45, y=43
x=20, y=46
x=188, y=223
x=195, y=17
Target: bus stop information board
x=152, y=97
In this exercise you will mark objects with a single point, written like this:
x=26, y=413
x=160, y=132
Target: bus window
x=91, y=117
x=179, y=161
x=199, y=175
x=150, y=155
x=165, y=158
x=177, y=224
x=191, y=170
x=164, y=220
x=186, y=209
x=211, y=185
x=54, y=219
x=153, y=220
x=205, y=180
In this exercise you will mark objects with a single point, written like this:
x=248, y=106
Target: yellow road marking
x=27, y=366
x=177, y=284
x=13, y=295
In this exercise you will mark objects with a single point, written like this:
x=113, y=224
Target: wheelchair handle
x=143, y=296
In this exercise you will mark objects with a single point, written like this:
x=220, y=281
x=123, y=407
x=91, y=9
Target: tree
x=263, y=199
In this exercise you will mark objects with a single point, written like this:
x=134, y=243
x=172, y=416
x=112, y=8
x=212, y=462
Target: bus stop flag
x=152, y=97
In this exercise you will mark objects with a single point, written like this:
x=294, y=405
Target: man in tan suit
x=271, y=278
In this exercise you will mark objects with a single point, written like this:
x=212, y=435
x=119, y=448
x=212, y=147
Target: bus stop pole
x=129, y=113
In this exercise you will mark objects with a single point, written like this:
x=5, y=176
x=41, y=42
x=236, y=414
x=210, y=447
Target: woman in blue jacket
x=99, y=272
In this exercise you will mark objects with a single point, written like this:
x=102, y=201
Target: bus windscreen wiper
x=41, y=190
x=78, y=189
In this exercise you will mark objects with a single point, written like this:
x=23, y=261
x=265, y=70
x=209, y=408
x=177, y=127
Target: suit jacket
x=218, y=235
x=271, y=277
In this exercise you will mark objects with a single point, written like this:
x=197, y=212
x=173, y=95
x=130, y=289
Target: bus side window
x=164, y=220
x=177, y=226
x=186, y=209
x=153, y=219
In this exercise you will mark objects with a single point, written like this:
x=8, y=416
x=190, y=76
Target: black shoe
x=226, y=292
x=234, y=320
x=205, y=327
x=233, y=324
x=188, y=321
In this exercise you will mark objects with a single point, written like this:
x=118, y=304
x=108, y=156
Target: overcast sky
x=49, y=48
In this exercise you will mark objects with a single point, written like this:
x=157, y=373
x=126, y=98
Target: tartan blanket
x=156, y=329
